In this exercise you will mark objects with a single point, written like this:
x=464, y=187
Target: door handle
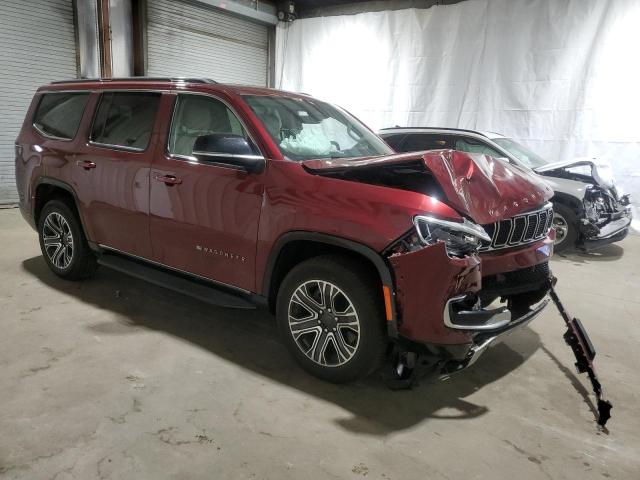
x=86, y=164
x=168, y=179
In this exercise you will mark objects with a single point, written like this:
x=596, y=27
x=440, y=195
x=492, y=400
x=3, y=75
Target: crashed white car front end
x=604, y=215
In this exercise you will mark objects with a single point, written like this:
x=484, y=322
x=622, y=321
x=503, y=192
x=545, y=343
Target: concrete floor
x=114, y=378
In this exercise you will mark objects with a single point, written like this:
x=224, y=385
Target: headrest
x=196, y=115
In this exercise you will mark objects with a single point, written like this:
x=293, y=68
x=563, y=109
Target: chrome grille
x=519, y=230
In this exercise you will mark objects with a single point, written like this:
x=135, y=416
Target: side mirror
x=228, y=149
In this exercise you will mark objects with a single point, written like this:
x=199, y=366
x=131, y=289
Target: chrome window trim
x=195, y=161
x=191, y=158
x=227, y=155
x=117, y=147
x=51, y=137
x=111, y=146
x=195, y=275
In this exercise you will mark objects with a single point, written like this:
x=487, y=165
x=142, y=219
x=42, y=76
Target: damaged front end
x=464, y=280
x=604, y=216
x=450, y=313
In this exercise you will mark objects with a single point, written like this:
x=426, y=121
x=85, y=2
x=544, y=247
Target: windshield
x=307, y=129
x=522, y=153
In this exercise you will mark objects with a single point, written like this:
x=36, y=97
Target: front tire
x=63, y=244
x=330, y=315
x=565, y=223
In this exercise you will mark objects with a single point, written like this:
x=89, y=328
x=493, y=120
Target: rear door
x=112, y=170
x=204, y=215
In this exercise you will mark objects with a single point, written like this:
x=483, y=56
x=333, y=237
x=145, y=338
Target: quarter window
x=197, y=115
x=125, y=119
x=59, y=114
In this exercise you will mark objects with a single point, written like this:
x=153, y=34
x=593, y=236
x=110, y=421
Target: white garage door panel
x=194, y=40
x=37, y=45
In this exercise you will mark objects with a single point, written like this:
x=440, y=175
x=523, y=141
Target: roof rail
x=138, y=79
x=434, y=128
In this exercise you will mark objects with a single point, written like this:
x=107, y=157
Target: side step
x=174, y=281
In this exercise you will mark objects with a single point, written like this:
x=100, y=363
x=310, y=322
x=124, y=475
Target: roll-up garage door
x=37, y=45
x=193, y=39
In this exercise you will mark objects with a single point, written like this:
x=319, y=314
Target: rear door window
x=394, y=140
x=59, y=114
x=125, y=119
x=471, y=145
x=426, y=141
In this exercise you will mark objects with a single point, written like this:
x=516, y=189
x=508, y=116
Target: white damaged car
x=589, y=212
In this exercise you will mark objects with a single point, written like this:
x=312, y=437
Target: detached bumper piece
x=577, y=338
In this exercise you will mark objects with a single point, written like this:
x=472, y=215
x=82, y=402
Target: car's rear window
x=125, y=119
x=59, y=114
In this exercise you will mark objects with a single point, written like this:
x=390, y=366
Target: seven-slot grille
x=519, y=230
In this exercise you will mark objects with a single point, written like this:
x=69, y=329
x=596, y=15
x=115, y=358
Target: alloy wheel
x=58, y=240
x=561, y=226
x=324, y=323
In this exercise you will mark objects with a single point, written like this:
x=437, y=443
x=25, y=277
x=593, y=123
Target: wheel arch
x=294, y=247
x=46, y=189
x=568, y=201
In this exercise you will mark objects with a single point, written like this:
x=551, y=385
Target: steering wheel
x=335, y=144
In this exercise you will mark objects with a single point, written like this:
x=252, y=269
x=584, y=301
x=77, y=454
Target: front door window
x=198, y=115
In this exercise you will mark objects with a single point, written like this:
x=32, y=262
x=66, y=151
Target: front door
x=204, y=215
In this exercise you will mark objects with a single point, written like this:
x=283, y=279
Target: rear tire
x=565, y=223
x=63, y=244
x=329, y=313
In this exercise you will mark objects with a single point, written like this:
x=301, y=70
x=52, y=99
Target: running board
x=194, y=288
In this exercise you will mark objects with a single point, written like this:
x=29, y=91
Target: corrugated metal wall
x=37, y=45
x=195, y=40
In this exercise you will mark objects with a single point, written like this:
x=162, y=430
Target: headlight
x=460, y=238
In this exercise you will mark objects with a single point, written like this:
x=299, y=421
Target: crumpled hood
x=479, y=186
x=600, y=169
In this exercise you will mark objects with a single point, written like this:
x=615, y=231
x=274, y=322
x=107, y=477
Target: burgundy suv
x=248, y=197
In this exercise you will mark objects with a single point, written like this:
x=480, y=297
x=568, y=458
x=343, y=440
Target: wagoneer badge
x=220, y=253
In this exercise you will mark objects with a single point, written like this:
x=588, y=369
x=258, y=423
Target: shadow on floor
x=248, y=338
x=608, y=253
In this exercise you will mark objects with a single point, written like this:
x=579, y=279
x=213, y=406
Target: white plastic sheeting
x=562, y=76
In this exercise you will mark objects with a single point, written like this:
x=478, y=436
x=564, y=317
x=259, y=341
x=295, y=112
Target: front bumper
x=613, y=231
x=485, y=333
x=427, y=279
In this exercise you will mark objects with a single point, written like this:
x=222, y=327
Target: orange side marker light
x=387, y=302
